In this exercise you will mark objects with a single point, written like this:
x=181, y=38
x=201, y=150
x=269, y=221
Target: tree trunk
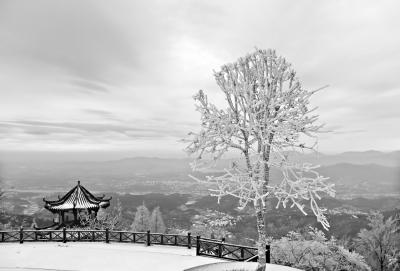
x=261, y=244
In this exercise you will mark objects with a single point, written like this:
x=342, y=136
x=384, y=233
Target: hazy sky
x=108, y=79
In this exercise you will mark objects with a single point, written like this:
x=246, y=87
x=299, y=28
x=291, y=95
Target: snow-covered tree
x=104, y=220
x=394, y=260
x=214, y=225
x=267, y=113
x=142, y=219
x=311, y=250
x=4, y=192
x=34, y=224
x=380, y=245
x=156, y=221
x=4, y=206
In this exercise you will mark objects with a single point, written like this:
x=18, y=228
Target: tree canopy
x=266, y=114
x=142, y=219
x=156, y=221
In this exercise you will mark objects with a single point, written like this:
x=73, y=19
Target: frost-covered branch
x=267, y=113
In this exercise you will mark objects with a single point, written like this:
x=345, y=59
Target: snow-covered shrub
x=111, y=221
x=313, y=251
x=380, y=245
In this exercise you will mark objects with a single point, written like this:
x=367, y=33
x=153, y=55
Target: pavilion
x=77, y=201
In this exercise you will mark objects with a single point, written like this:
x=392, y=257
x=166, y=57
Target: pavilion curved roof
x=78, y=198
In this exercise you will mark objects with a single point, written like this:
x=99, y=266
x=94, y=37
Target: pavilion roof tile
x=78, y=198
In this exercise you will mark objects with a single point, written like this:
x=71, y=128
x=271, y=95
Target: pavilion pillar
x=75, y=215
x=92, y=214
x=62, y=217
x=59, y=217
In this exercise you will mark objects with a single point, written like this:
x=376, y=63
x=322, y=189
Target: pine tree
x=156, y=221
x=34, y=224
x=142, y=219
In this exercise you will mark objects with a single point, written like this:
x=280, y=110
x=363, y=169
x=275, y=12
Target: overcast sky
x=113, y=79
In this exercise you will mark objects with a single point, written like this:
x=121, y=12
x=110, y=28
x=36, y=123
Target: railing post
x=197, y=245
x=189, y=240
x=35, y=235
x=64, y=235
x=176, y=240
x=268, y=254
x=120, y=236
x=93, y=236
x=220, y=247
x=2, y=236
x=50, y=236
x=79, y=235
x=242, y=254
x=148, y=238
x=21, y=235
x=134, y=237
x=107, y=241
x=162, y=239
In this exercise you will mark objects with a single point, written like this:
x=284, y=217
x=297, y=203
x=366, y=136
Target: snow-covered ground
x=97, y=256
x=75, y=256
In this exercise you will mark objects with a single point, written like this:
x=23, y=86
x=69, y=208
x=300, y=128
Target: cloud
x=333, y=128
x=87, y=127
x=89, y=86
x=349, y=132
x=140, y=62
x=100, y=113
x=37, y=133
x=141, y=129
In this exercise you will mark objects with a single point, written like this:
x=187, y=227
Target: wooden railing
x=232, y=252
x=204, y=247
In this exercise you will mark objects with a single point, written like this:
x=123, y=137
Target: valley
x=186, y=203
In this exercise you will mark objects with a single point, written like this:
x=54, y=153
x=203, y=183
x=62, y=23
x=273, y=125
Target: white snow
x=239, y=266
x=81, y=256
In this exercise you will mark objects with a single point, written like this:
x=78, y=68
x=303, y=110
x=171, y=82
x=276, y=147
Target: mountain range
x=370, y=172
x=146, y=164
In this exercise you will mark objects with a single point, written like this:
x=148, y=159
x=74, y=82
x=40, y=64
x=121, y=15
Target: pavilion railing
x=204, y=247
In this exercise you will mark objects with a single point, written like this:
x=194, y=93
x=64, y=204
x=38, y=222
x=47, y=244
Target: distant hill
x=342, y=172
x=369, y=173
x=358, y=173
x=151, y=165
x=139, y=165
x=372, y=174
x=146, y=164
x=390, y=159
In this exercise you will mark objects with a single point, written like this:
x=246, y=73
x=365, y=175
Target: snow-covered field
x=97, y=256
x=42, y=256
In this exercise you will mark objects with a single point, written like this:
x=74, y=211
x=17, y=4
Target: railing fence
x=204, y=247
x=232, y=252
